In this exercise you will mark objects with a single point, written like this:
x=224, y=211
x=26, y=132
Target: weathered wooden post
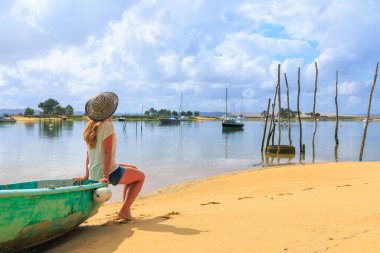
x=298, y=109
x=142, y=113
x=269, y=132
x=337, y=113
x=265, y=127
x=336, y=152
x=287, y=95
x=273, y=133
x=272, y=121
x=279, y=109
x=368, y=114
x=315, y=115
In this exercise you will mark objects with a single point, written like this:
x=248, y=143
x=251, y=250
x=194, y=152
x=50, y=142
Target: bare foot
x=126, y=215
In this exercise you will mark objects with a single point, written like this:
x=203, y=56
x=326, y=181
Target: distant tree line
x=166, y=113
x=51, y=107
x=284, y=113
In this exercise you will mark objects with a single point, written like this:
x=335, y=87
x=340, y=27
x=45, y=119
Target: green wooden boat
x=35, y=212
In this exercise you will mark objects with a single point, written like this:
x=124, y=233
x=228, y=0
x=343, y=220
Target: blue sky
x=148, y=52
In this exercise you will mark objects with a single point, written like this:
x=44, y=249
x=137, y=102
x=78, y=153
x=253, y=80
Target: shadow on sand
x=80, y=238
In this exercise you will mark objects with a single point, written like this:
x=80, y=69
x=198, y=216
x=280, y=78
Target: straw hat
x=102, y=106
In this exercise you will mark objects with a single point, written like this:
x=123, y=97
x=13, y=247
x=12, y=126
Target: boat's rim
x=49, y=191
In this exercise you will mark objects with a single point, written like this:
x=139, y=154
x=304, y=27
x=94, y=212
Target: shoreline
x=293, y=208
x=195, y=119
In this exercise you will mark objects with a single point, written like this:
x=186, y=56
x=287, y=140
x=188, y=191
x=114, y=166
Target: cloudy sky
x=149, y=52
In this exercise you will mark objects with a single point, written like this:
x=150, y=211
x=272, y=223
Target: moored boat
x=232, y=122
x=38, y=211
x=170, y=121
x=183, y=118
x=7, y=119
x=365, y=120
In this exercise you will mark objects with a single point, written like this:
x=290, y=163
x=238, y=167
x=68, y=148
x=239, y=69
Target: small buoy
x=101, y=195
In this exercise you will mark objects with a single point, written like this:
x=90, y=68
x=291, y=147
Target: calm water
x=168, y=154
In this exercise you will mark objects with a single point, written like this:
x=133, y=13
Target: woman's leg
x=133, y=181
x=124, y=165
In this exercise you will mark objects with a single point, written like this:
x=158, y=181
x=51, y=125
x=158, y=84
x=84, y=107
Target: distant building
x=305, y=115
x=264, y=114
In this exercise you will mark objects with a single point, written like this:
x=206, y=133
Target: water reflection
x=67, y=125
x=233, y=134
x=277, y=159
x=52, y=128
x=29, y=126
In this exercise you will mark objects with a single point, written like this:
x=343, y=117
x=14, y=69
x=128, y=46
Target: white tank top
x=96, y=155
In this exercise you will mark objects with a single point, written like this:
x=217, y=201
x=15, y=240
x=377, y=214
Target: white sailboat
x=183, y=117
x=231, y=122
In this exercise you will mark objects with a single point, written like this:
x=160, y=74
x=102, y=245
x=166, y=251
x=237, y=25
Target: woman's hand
x=104, y=180
x=79, y=180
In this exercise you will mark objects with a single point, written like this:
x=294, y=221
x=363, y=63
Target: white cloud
x=157, y=49
x=349, y=88
x=30, y=12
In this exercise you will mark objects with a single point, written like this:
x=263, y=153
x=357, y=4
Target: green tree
x=152, y=112
x=69, y=110
x=196, y=113
x=29, y=112
x=189, y=113
x=59, y=110
x=48, y=106
x=164, y=112
x=175, y=113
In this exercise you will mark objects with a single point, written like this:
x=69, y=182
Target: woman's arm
x=87, y=162
x=82, y=178
x=107, y=146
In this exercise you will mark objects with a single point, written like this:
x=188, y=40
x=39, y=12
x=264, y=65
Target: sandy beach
x=331, y=207
x=31, y=119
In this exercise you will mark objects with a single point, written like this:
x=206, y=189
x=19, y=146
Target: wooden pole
x=336, y=152
x=298, y=109
x=272, y=121
x=287, y=96
x=142, y=113
x=336, y=107
x=279, y=109
x=315, y=115
x=269, y=131
x=368, y=114
x=273, y=133
x=265, y=127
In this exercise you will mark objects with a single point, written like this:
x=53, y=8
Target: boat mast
x=180, y=104
x=226, y=103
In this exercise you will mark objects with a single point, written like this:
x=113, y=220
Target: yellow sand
x=32, y=119
x=204, y=118
x=332, y=207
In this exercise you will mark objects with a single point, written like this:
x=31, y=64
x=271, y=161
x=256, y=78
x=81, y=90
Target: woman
x=100, y=137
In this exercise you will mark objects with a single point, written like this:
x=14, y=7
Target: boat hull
x=170, y=121
x=35, y=212
x=8, y=120
x=233, y=125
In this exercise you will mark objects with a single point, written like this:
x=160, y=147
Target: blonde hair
x=90, y=132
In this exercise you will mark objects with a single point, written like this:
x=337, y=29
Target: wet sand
x=331, y=207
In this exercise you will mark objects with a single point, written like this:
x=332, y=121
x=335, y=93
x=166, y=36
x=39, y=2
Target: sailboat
x=183, y=117
x=170, y=121
x=231, y=122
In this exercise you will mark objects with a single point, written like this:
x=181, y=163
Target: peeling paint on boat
x=32, y=213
